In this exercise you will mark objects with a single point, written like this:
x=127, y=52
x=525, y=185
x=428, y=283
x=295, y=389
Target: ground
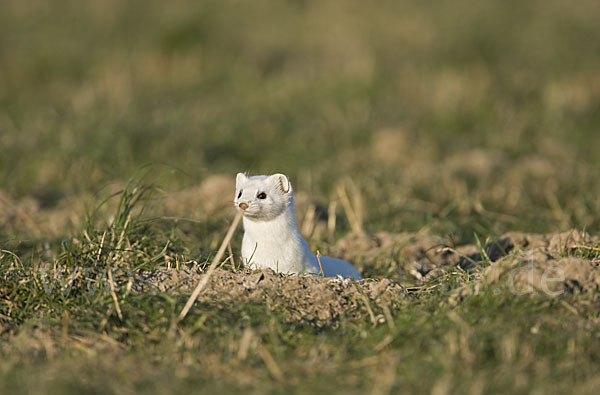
x=448, y=149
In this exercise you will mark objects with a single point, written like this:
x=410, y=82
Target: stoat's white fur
x=271, y=236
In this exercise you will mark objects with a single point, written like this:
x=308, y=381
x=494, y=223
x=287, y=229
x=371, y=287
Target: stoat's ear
x=283, y=182
x=239, y=179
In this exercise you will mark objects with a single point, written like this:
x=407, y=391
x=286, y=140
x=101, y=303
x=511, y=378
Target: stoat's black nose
x=243, y=206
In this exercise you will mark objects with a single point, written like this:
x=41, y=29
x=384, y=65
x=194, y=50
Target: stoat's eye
x=262, y=195
x=240, y=194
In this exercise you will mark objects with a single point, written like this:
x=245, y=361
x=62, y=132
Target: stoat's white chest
x=276, y=244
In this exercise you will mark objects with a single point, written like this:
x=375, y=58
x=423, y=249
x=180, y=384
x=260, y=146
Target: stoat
x=271, y=236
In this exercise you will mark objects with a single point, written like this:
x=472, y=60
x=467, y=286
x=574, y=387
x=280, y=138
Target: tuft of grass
x=591, y=252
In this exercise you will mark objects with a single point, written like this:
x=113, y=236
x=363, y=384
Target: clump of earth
x=527, y=263
x=320, y=301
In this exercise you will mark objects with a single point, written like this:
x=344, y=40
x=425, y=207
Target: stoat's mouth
x=257, y=216
x=249, y=213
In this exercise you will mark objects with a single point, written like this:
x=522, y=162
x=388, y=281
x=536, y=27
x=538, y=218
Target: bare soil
x=319, y=301
x=526, y=263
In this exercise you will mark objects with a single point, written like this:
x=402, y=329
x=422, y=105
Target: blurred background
x=455, y=117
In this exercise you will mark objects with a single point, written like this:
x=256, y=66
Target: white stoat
x=271, y=237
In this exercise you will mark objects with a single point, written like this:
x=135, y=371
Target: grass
x=452, y=119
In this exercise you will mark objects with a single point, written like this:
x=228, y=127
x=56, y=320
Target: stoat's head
x=263, y=197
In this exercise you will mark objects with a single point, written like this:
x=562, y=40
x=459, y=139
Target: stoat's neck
x=281, y=228
x=277, y=244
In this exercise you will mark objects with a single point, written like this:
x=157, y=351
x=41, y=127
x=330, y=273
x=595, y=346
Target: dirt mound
x=320, y=301
x=537, y=271
x=551, y=264
x=423, y=257
x=525, y=263
x=543, y=263
x=417, y=256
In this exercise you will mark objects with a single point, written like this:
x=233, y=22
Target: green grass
x=452, y=118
